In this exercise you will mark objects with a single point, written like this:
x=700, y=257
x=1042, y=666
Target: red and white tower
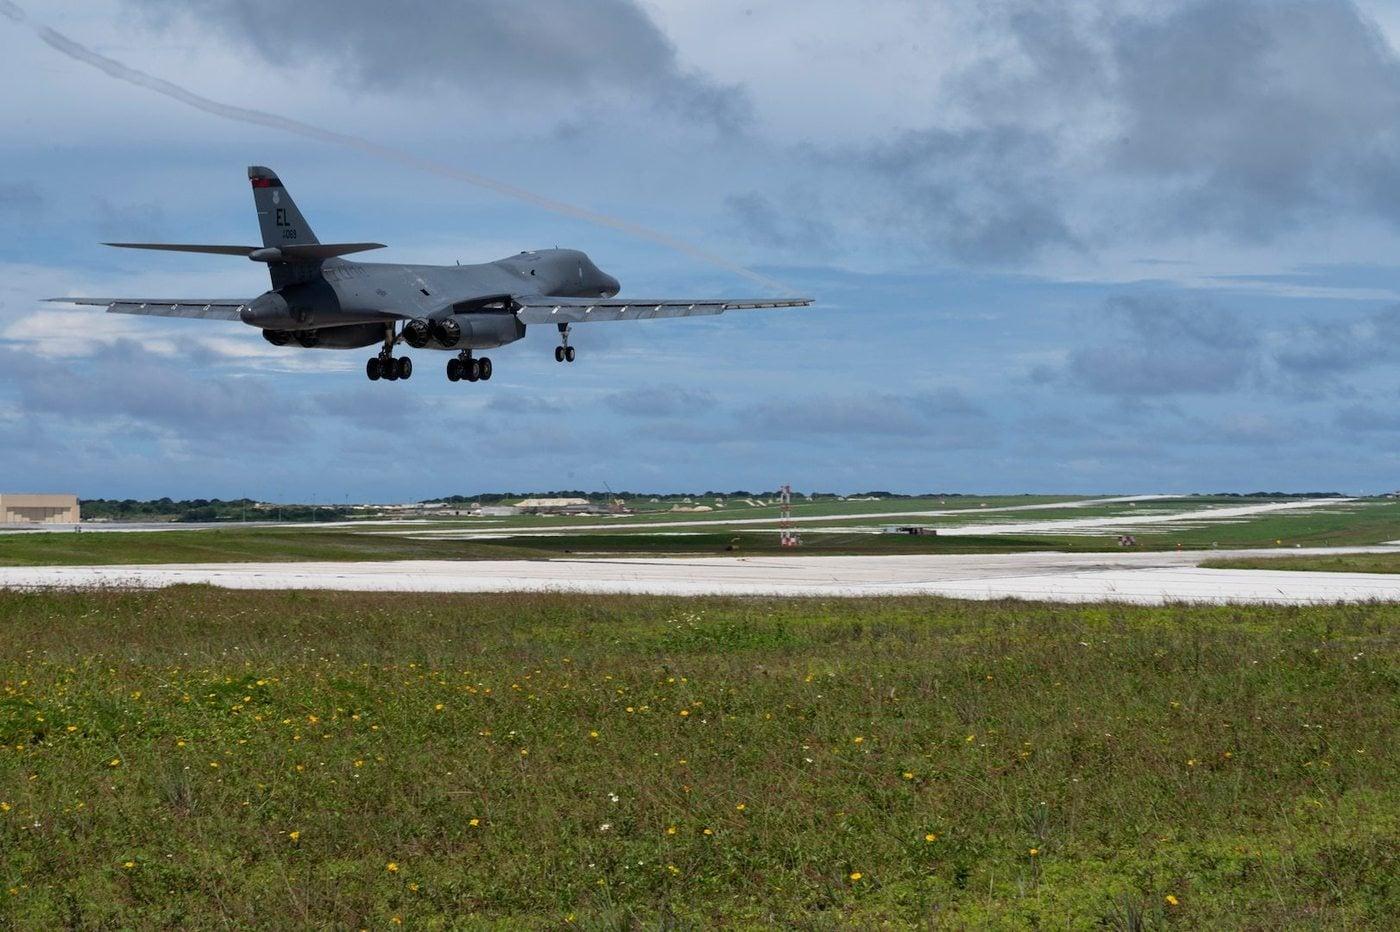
x=787, y=534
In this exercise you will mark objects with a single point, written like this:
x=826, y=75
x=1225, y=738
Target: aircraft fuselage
x=364, y=296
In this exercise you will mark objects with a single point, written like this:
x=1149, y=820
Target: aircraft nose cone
x=611, y=286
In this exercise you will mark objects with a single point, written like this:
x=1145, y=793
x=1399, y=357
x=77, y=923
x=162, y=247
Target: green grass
x=1362, y=523
x=1341, y=563
x=1074, y=766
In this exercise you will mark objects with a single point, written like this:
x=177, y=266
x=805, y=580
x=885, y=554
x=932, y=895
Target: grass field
x=198, y=758
x=1341, y=563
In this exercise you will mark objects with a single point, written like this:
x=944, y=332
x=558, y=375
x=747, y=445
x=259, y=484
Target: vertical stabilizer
x=281, y=222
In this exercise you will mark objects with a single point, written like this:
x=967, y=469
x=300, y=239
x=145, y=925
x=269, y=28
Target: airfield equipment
x=320, y=300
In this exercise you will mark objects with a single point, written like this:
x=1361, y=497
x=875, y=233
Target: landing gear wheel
x=568, y=353
x=373, y=369
x=472, y=368
x=454, y=369
x=405, y=368
x=558, y=354
x=484, y=369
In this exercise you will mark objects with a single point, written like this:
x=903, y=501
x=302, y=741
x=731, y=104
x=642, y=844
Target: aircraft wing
x=536, y=309
x=200, y=308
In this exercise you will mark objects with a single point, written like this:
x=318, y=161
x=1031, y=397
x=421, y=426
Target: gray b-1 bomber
x=321, y=300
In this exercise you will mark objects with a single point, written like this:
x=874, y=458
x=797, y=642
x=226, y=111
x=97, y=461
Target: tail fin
x=282, y=224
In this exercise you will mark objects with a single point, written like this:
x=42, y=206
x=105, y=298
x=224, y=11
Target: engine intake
x=277, y=337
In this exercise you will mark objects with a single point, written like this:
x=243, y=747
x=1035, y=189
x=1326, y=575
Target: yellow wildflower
x=908, y=775
x=593, y=734
x=4, y=807
x=473, y=822
x=294, y=836
x=707, y=832
x=392, y=867
x=1172, y=900
x=114, y=762
x=129, y=864
x=685, y=713
x=857, y=740
x=670, y=829
x=855, y=876
x=741, y=807
x=1035, y=852
x=930, y=837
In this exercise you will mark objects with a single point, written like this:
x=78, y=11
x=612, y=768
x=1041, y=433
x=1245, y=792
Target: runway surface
x=1147, y=578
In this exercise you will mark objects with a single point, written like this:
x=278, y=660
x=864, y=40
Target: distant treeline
x=202, y=510
x=1278, y=495
x=492, y=498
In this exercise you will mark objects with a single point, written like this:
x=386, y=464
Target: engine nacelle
x=277, y=337
x=352, y=336
x=480, y=331
x=417, y=333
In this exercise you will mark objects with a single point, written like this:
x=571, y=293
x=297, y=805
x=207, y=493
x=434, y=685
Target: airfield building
x=559, y=506
x=19, y=508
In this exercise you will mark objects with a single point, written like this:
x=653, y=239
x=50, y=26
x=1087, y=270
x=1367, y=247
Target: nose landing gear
x=563, y=352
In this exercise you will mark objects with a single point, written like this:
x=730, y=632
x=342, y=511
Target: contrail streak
x=121, y=72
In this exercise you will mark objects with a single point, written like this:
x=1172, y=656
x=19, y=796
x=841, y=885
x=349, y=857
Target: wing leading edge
x=197, y=308
x=535, y=309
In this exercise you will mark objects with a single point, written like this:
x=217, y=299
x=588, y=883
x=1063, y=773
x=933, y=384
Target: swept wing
x=199, y=308
x=534, y=309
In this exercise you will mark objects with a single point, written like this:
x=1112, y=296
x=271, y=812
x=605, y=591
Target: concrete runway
x=1146, y=578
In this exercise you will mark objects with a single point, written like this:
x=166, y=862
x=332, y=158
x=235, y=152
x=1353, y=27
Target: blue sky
x=1109, y=246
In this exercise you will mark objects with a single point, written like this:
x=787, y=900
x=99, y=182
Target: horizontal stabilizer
x=303, y=252
x=197, y=308
x=314, y=252
x=190, y=247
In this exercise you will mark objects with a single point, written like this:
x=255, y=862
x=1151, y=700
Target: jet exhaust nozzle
x=417, y=333
x=449, y=332
x=277, y=337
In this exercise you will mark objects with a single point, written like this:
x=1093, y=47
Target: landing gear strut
x=563, y=352
x=464, y=368
x=385, y=366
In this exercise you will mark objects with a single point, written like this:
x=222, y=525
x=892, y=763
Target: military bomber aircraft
x=321, y=300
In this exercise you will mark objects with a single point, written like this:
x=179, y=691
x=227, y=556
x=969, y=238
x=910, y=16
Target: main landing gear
x=388, y=368
x=563, y=352
x=464, y=368
x=385, y=366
